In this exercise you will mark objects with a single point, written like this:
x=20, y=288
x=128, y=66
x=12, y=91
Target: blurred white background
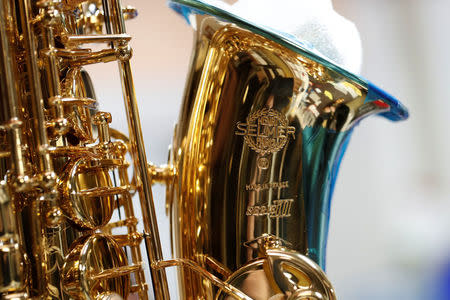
x=389, y=232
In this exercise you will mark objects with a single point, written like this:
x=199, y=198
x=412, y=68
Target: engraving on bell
x=279, y=209
x=266, y=131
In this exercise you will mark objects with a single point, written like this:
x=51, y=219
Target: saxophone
x=255, y=154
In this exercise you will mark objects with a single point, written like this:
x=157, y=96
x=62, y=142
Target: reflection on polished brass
x=230, y=289
x=279, y=209
x=259, y=138
x=96, y=265
x=280, y=273
x=162, y=174
x=254, y=157
x=96, y=38
x=68, y=228
x=11, y=260
x=266, y=131
x=88, y=193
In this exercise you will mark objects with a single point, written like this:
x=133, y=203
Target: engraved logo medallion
x=266, y=131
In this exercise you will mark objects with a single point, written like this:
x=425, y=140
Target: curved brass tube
x=228, y=288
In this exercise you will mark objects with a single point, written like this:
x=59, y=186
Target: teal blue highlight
x=323, y=150
x=397, y=111
x=188, y=7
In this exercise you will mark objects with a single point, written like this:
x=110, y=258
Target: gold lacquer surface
x=282, y=274
x=254, y=158
x=93, y=268
x=241, y=145
x=67, y=195
x=11, y=260
x=85, y=199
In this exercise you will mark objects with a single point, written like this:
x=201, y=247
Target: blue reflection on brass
x=240, y=180
x=322, y=154
x=189, y=8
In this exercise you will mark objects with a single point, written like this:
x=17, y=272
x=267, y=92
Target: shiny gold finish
x=88, y=193
x=68, y=228
x=96, y=38
x=162, y=174
x=11, y=260
x=152, y=239
x=96, y=265
x=238, y=192
x=228, y=288
x=261, y=126
x=281, y=273
x=257, y=118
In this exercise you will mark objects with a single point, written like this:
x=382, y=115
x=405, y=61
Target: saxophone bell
x=264, y=124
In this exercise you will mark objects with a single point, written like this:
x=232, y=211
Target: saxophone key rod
x=96, y=38
x=152, y=238
x=9, y=92
x=37, y=101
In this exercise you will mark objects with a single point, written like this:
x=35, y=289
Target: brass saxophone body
x=68, y=221
x=255, y=153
